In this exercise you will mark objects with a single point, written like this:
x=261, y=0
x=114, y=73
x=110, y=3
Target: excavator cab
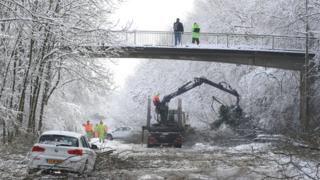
x=173, y=117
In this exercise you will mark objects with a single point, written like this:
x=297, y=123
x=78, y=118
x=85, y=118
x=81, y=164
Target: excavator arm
x=162, y=107
x=222, y=86
x=186, y=87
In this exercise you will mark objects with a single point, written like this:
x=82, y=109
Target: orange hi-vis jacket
x=156, y=99
x=88, y=127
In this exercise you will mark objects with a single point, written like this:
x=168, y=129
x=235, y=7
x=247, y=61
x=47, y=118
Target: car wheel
x=85, y=168
x=177, y=145
x=85, y=172
x=89, y=172
x=149, y=145
x=94, y=166
x=109, y=137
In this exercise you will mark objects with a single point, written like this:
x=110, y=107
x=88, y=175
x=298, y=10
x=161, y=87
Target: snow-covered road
x=199, y=161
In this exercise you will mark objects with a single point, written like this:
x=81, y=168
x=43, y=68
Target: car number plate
x=54, y=161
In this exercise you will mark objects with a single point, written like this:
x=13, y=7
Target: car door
x=117, y=133
x=126, y=132
x=91, y=154
x=122, y=132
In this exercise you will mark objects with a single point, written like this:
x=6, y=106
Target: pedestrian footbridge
x=284, y=52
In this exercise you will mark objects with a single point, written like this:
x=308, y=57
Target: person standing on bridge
x=195, y=33
x=178, y=31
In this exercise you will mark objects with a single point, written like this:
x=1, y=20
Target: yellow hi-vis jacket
x=195, y=30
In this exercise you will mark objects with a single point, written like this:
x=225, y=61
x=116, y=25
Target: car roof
x=64, y=133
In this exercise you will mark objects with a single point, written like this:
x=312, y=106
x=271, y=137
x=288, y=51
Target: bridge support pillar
x=304, y=101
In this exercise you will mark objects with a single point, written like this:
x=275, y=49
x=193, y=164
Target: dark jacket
x=178, y=27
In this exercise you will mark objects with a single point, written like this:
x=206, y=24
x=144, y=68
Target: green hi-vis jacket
x=101, y=130
x=195, y=30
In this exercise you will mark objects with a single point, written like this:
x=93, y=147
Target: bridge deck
x=285, y=52
x=291, y=60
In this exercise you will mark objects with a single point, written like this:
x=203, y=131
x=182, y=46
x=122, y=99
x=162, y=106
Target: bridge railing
x=207, y=40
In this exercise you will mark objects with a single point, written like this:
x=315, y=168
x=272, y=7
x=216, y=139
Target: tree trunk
x=45, y=95
x=14, y=72
x=30, y=107
x=38, y=83
x=3, y=131
x=34, y=100
x=24, y=88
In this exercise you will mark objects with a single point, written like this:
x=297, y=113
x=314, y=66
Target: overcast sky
x=156, y=15
x=153, y=14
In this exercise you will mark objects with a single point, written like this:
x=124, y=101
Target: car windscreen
x=59, y=140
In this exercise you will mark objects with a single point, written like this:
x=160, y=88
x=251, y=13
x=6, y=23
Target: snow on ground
x=112, y=145
x=150, y=176
x=199, y=161
x=249, y=147
x=204, y=161
x=207, y=147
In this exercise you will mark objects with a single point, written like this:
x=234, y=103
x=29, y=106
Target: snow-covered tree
x=41, y=45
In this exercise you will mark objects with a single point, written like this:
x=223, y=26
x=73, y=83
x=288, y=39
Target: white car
x=119, y=133
x=62, y=151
